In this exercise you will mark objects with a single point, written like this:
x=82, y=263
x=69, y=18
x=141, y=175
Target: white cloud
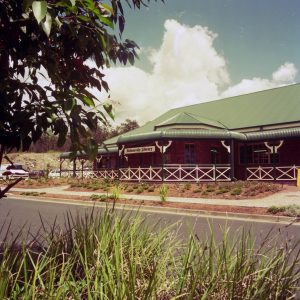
x=186, y=69
x=284, y=75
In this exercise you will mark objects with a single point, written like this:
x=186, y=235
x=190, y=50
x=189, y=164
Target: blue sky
x=255, y=36
x=194, y=51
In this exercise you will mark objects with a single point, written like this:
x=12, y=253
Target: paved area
x=279, y=199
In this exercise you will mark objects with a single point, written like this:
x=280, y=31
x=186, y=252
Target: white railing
x=197, y=173
x=103, y=174
x=260, y=173
x=177, y=173
x=107, y=174
x=141, y=174
x=285, y=173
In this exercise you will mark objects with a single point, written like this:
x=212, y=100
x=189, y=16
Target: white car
x=54, y=174
x=13, y=172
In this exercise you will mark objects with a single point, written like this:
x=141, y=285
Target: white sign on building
x=139, y=150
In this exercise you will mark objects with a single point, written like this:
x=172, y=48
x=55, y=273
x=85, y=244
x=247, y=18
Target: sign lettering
x=139, y=150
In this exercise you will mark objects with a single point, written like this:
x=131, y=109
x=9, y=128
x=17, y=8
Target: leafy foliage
x=51, y=56
x=48, y=142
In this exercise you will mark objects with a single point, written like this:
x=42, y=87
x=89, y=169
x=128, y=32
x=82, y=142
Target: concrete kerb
x=171, y=210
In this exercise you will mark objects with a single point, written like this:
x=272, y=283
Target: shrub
x=236, y=191
x=187, y=186
x=198, y=190
x=94, y=197
x=276, y=209
x=222, y=190
x=163, y=192
x=292, y=210
x=140, y=190
x=288, y=210
x=210, y=189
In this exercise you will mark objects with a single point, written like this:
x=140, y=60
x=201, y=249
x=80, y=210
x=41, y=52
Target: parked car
x=13, y=172
x=54, y=174
x=37, y=174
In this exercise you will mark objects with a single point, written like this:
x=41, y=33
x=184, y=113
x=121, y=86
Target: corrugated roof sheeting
x=273, y=134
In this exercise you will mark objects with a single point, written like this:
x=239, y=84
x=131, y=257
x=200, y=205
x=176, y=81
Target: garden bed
x=219, y=190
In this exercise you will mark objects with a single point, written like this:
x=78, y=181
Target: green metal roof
x=211, y=134
x=183, y=134
x=273, y=134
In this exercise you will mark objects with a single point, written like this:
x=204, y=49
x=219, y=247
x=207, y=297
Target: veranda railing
x=280, y=173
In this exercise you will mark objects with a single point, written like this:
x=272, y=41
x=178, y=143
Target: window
x=189, y=154
x=257, y=154
x=214, y=155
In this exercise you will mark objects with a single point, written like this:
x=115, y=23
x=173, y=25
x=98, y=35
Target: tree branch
x=8, y=187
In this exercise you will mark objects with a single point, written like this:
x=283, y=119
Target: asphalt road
x=25, y=215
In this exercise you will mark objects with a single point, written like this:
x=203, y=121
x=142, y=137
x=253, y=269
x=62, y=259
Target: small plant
x=210, y=189
x=288, y=210
x=140, y=190
x=276, y=209
x=292, y=210
x=32, y=193
x=144, y=185
x=130, y=190
x=236, y=191
x=222, y=190
x=163, y=192
x=115, y=192
x=94, y=197
x=187, y=186
x=135, y=186
x=103, y=198
x=196, y=191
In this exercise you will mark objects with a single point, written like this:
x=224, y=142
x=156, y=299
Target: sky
x=192, y=51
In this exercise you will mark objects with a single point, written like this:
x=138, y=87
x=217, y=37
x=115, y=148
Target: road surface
x=25, y=215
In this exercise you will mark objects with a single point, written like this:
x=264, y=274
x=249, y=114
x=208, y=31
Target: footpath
x=280, y=199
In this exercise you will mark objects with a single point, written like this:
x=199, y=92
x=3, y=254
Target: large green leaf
x=39, y=9
x=47, y=24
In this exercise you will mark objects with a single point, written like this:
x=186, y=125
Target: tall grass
x=163, y=192
x=111, y=256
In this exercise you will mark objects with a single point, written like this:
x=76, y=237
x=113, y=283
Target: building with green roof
x=250, y=137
